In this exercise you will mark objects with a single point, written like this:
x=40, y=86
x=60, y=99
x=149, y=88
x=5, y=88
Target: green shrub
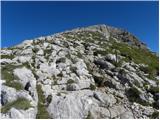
x=47, y=51
x=73, y=69
x=35, y=50
x=101, y=52
x=156, y=103
x=68, y=56
x=79, y=55
x=70, y=81
x=155, y=115
x=99, y=80
x=122, y=71
x=154, y=90
x=20, y=103
x=92, y=87
x=60, y=74
x=134, y=96
x=117, y=64
x=26, y=64
x=89, y=116
x=55, y=82
x=144, y=69
x=59, y=94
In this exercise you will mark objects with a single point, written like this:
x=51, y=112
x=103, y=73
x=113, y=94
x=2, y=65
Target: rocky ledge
x=92, y=72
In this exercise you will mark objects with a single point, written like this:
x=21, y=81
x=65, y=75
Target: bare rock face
x=96, y=72
x=22, y=114
x=125, y=36
x=80, y=101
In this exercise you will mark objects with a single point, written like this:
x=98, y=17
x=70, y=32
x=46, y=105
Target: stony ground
x=93, y=72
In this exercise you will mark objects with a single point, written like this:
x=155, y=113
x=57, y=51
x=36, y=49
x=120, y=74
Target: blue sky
x=27, y=20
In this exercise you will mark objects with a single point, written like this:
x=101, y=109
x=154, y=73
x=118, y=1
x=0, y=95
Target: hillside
x=93, y=72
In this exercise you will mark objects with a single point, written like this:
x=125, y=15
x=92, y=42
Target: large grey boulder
x=111, y=57
x=6, y=61
x=23, y=59
x=23, y=114
x=8, y=94
x=73, y=105
x=129, y=67
x=40, y=52
x=106, y=99
x=127, y=115
x=72, y=87
x=27, y=51
x=25, y=75
x=97, y=112
x=104, y=64
x=116, y=111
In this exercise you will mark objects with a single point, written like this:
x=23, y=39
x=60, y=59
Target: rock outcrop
x=98, y=72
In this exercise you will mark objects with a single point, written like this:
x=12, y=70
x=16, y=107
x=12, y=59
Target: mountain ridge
x=100, y=27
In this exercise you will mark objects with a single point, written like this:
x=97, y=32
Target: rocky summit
x=85, y=73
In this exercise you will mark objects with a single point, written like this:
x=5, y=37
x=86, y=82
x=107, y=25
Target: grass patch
x=117, y=63
x=20, y=103
x=26, y=64
x=7, y=73
x=9, y=77
x=101, y=52
x=139, y=56
x=12, y=48
x=42, y=112
x=7, y=56
x=87, y=36
x=15, y=84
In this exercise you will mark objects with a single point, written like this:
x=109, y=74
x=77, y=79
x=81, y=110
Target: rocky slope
x=93, y=72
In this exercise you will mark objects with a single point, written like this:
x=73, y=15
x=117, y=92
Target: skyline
x=28, y=20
